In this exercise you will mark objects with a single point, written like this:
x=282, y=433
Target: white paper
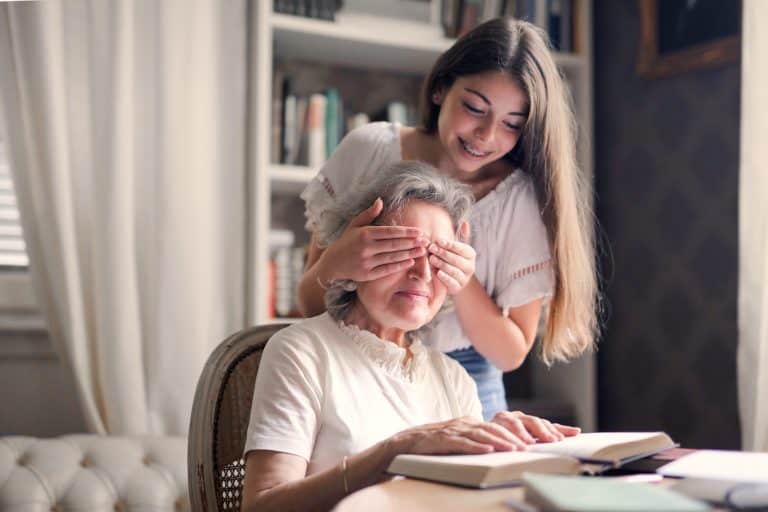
x=584, y=445
x=720, y=465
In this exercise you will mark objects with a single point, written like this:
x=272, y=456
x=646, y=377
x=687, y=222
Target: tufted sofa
x=86, y=472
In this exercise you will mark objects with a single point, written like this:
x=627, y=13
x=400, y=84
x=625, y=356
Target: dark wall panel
x=666, y=165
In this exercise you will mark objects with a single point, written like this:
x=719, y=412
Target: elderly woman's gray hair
x=396, y=184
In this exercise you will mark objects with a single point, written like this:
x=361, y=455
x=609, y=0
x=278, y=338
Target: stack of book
x=460, y=16
x=320, y=9
x=306, y=129
x=286, y=267
x=586, y=453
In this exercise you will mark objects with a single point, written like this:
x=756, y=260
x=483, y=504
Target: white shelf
x=290, y=179
x=360, y=41
x=405, y=46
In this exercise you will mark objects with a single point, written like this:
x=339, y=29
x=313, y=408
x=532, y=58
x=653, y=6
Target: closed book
x=300, y=127
x=316, y=144
x=491, y=9
x=591, y=453
x=711, y=474
x=524, y=10
x=449, y=17
x=554, y=16
x=276, y=118
x=332, y=121
x=566, y=26
x=484, y=470
x=469, y=16
x=288, y=141
x=591, y=494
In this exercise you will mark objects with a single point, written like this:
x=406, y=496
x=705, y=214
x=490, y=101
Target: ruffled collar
x=388, y=356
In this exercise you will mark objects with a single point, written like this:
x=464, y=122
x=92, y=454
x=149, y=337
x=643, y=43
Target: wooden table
x=417, y=495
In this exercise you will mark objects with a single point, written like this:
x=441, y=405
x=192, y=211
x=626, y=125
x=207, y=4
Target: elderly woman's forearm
x=322, y=491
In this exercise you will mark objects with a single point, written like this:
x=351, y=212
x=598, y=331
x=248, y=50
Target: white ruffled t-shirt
x=325, y=390
x=507, y=231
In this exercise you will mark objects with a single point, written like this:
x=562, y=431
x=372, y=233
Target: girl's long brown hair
x=546, y=151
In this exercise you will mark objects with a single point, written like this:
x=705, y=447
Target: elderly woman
x=338, y=396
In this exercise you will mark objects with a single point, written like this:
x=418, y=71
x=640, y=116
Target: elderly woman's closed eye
x=338, y=396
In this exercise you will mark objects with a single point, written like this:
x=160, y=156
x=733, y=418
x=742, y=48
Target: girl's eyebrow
x=488, y=102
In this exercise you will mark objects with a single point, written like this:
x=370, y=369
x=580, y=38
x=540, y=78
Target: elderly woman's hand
x=364, y=252
x=460, y=435
x=533, y=429
x=454, y=261
x=508, y=431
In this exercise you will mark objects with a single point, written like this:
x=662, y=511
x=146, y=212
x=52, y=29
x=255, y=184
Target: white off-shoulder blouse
x=507, y=231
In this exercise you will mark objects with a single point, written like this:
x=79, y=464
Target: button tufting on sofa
x=87, y=472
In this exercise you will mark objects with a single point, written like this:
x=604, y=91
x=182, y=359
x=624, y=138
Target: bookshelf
x=400, y=46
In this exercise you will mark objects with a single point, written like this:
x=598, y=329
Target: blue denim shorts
x=490, y=386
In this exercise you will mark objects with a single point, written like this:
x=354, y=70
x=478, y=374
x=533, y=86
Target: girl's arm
x=503, y=340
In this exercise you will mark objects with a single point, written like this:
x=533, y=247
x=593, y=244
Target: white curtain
x=753, y=229
x=125, y=122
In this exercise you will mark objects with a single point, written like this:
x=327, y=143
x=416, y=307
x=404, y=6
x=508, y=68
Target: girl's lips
x=472, y=151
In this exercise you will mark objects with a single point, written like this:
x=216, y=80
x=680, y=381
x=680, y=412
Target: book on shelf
x=460, y=16
x=276, y=142
x=585, y=453
x=560, y=24
x=306, y=130
x=318, y=9
x=287, y=262
x=315, y=132
x=587, y=494
x=288, y=122
x=333, y=120
x=469, y=16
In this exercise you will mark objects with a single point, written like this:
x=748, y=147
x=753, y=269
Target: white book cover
x=720, y=465
x=316, y=131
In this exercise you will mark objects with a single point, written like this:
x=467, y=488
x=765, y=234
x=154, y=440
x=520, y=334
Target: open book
x=568, y=457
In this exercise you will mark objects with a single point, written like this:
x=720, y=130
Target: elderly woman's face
x=410, y=298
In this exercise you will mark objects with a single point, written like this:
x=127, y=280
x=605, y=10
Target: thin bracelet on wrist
x=344, y=474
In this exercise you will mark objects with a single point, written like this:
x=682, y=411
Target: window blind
x=13, y=253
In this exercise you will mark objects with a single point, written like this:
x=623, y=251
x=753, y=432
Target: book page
x=720, y=465
x=585, y=446
x=483, y=459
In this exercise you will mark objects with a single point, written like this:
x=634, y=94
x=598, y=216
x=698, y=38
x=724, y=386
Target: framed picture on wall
x=685, y=35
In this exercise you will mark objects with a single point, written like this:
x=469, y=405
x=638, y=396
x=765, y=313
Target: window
x=13, y=254
x=18, y=307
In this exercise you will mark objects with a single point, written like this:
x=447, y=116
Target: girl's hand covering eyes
x=454, y=261
x=364, y=252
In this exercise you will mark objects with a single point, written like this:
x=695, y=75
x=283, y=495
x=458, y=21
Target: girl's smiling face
x=481, y=118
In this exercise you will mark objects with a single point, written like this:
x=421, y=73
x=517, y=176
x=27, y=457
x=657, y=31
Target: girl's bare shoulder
x=415, y=143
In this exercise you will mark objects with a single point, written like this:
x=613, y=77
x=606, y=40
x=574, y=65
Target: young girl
x=495, y=116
